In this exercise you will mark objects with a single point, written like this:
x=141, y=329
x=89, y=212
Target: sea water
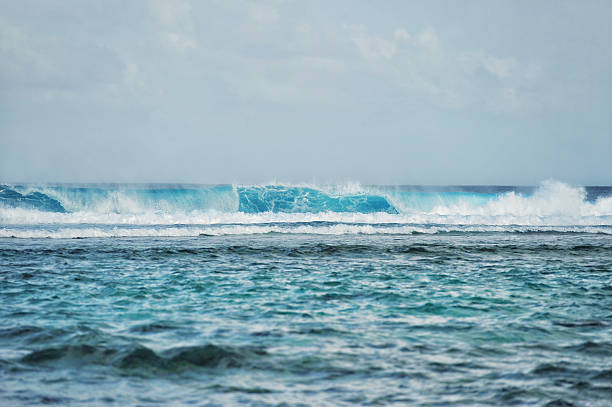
x=305, y=295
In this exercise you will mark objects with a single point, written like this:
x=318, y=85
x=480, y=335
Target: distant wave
x=124, y=210
x=221, y=198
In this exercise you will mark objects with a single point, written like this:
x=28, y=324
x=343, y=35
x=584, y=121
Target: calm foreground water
x=318, y=311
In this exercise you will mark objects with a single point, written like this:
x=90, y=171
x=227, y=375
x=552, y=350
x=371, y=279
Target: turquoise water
x=488, y=297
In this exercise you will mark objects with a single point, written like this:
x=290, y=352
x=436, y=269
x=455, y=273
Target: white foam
x=225, y=230
x=554, y=204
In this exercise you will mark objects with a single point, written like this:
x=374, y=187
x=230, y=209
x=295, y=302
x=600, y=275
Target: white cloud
x=296, y=80
x=375, y=47
x=21, y=60
x=401, y=34
x=40, y=68
x=428, y=39
x=299, y=59
x=133, y=77
x=176, y=23
x=179, y=40
x=371, y=47
x=423, y=67
x=502, y=68
x=172, y=13
x=264, y=14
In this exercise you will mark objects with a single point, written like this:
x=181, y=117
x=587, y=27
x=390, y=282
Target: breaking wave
x=68, y=211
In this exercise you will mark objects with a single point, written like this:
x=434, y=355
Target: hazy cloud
x=421, y=64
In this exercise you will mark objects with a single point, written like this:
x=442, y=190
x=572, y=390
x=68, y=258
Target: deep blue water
x=302, y=295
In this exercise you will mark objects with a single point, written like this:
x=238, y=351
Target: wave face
x=68, y=211
x=33, y=200
x=307, y=200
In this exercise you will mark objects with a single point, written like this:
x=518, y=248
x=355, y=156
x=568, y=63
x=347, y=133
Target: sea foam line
x=337, y=229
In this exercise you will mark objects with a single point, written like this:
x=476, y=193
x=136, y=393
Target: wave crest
x=33, y=200
x=551, y=199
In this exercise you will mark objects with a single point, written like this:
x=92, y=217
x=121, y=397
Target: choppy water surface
x=309, y=311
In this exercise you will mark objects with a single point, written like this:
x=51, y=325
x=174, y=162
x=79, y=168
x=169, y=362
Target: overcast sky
x=385, y=92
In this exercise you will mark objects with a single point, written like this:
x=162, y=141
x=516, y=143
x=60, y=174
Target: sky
x=376, y=92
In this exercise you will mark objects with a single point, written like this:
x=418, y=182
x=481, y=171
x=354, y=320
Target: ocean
x=297, y=295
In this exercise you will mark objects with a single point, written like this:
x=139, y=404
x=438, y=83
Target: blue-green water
x=309, y=308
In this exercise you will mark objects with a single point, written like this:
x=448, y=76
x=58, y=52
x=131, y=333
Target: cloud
x=44, y=68
x=501, y=68
x=264, y=14
x=288, y=81
x=425, y=69
x=428, y=39
x=176, y=22
x=374, y=47
x=263, y=57
x=371, y=47
x=401, y=34
x=21, y=61
x=300, y=51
